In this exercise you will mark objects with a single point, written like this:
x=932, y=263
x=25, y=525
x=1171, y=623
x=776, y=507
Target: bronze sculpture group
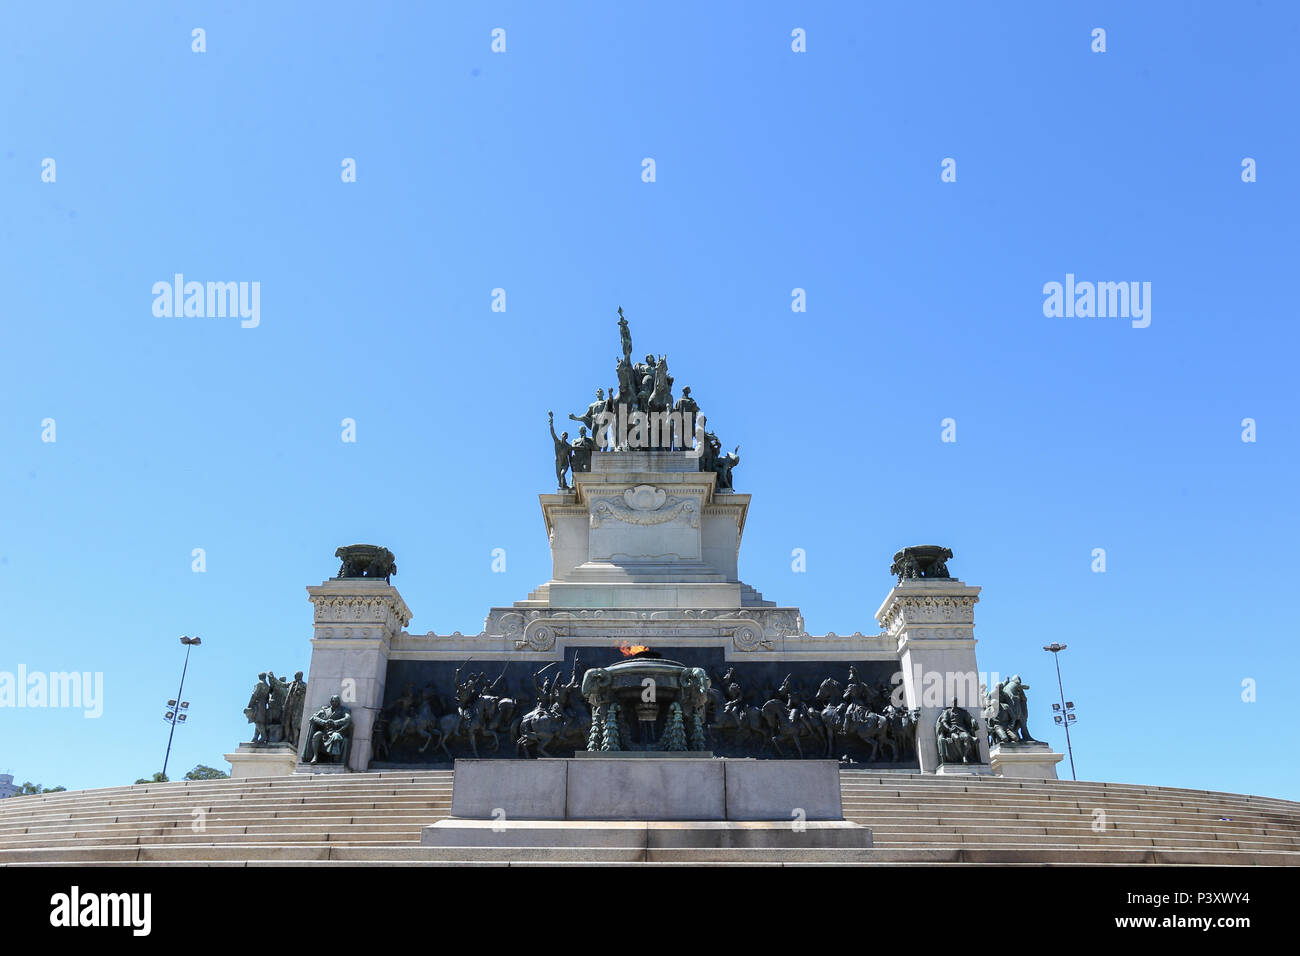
x=1006, y=711
x=854, y=721
x=558, y=719
x=1006, y=714
x=848, y=717
x=275, y=708
x=643, y=400
x=422, y=716
x=836, y=716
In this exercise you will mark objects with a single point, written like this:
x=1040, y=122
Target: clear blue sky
x=775, y=170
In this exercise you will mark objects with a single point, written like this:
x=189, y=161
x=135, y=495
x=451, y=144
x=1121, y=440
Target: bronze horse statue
x=542, y=728
x=789, y=723
x=627, y=390
x=487, y=716
x=872, y=729
x=830, y=714
x=661, y=396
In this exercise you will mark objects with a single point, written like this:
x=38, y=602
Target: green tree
x=29, y=787
x=159, y=777
x=204, y=772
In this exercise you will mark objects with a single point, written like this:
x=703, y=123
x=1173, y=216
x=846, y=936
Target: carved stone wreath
x=644, y=505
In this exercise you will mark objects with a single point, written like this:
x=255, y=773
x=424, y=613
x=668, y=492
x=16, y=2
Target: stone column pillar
x=356, y=620
x=933, y=621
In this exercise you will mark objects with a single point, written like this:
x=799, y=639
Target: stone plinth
x=647, y=788
x=643, y=461
x=964, y=769
x=1036, y=759
x=262, y=760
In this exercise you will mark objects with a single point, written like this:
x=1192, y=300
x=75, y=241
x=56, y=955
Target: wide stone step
x=1077, y=799
x=1082, y=827
x=1027, y=822
x=524, y=856
x=99, y=800
x=187, y=812
x=969, y=839
x=1061, y=796
x=378, y=818
x=401, y=833
x=162, y=839
x=261, y=803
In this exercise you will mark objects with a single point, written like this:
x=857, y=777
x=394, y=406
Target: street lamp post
x=174, y=713
x=1066, y=708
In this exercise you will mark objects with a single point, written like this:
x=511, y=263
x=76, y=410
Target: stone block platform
x=646, y=804
x=646, y=788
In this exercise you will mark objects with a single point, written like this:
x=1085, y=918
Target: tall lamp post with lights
x=1065, y=709
x=176, y=709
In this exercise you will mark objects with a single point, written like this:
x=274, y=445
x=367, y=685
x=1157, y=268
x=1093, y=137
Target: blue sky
x=775, y=170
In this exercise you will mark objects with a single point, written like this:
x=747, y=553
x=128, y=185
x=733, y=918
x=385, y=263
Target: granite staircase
x=375, y=819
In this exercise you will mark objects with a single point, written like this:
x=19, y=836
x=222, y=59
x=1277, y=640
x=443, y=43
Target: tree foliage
x=29, y=787
x=204, y=772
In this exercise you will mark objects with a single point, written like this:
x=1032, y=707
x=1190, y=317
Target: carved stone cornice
x=941, y=602
x=735, y=514
x=369, y=609
x=348, y=608
x=748, y=629
x=545, y=632
x=929, y=610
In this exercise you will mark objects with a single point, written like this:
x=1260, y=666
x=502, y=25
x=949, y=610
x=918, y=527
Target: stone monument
x=275, y=710
x=645, y=527
x=1013, y=753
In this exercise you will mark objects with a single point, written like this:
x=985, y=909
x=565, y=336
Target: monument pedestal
x=262, y=760
x=640, y=787
x=1035, y=759
x=646, y=803
x=645, y=529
